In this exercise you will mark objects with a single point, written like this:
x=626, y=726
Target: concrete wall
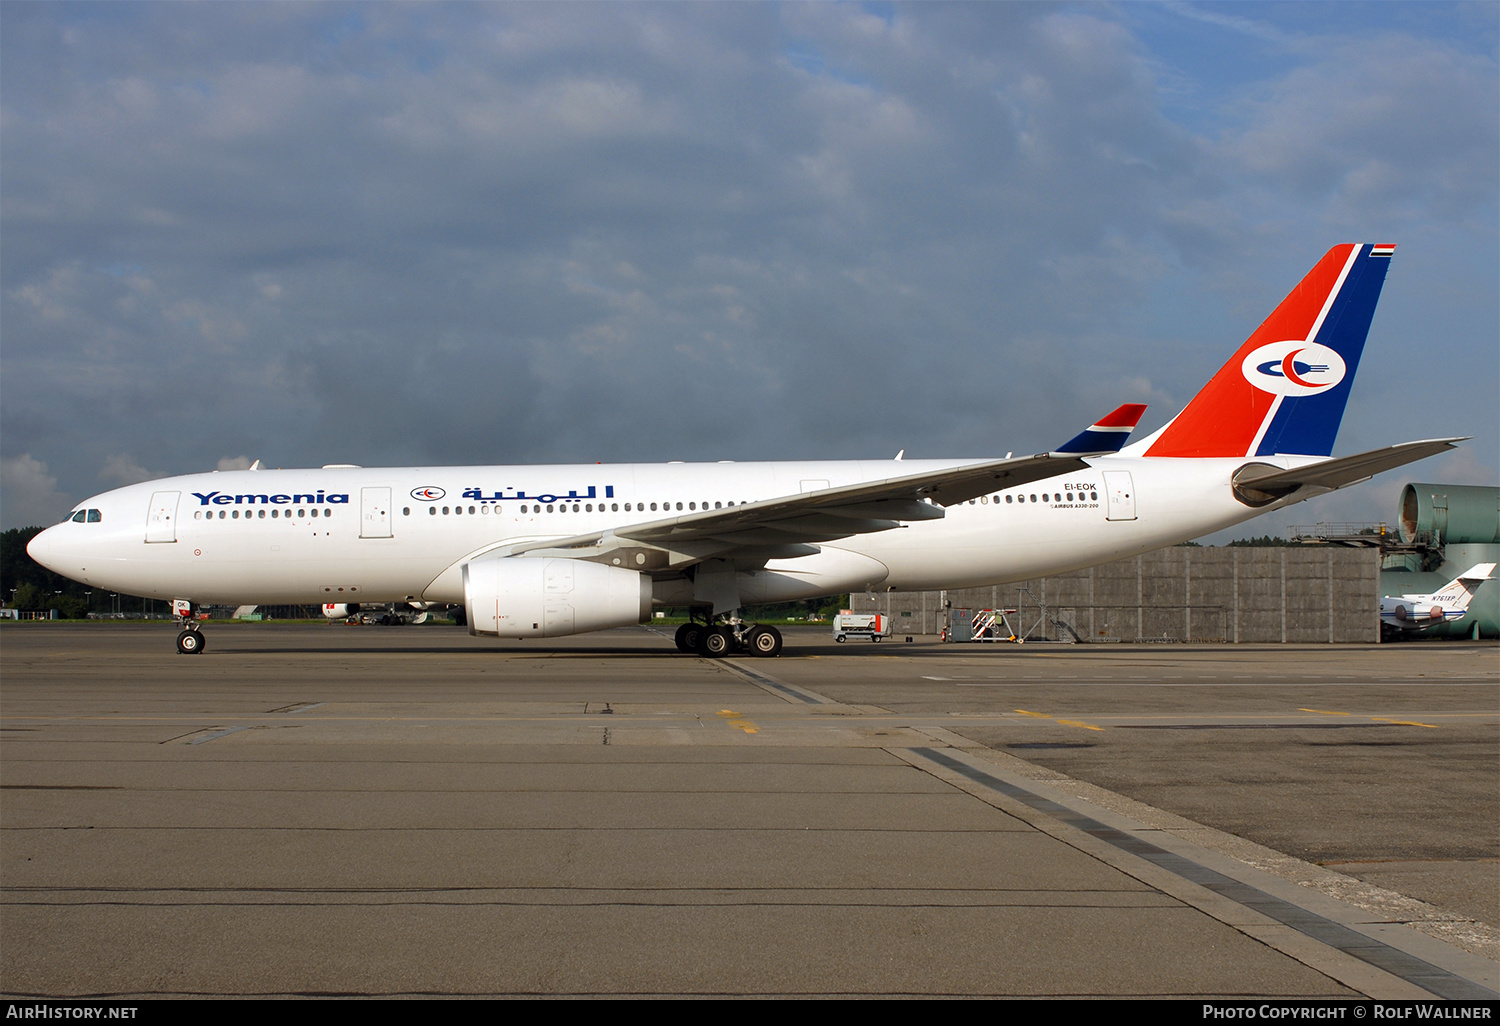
x=1237, y=595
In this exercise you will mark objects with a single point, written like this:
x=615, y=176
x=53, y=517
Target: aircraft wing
x=789, y=526
x=1337, y=473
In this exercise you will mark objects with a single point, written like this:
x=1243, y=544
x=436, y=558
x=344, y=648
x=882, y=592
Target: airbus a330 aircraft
x=547, y=551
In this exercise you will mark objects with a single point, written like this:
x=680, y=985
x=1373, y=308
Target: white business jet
x=1447, y=604
x=548, y=551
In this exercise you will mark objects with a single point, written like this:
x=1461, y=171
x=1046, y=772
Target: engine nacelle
x=517, y=597
x=340, y=610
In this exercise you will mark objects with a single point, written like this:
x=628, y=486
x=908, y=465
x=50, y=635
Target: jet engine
x=340, y=610
x=517, y=597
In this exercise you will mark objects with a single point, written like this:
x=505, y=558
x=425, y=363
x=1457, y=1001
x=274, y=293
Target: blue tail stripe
x=1091, y=440
x=1307, y=425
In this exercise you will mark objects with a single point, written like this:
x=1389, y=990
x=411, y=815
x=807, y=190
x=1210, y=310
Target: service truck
x=861, y=625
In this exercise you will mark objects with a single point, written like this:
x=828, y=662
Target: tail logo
x=1293, y=368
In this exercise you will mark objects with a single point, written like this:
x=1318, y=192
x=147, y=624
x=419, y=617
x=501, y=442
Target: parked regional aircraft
x=547, y=551
x=1449, y=603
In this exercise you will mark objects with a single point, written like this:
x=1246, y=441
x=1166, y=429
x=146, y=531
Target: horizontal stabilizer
x=1258, y=484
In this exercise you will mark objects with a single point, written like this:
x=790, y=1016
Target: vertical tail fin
x=1286, y=388
x=1466, y=584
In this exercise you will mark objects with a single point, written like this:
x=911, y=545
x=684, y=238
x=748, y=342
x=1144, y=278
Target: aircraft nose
x=45, y=548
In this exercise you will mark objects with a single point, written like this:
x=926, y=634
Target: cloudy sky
x=470, y=233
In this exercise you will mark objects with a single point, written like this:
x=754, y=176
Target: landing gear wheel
x=687, y=637
x=765, y=641
x=190, y=643
x=716, y=642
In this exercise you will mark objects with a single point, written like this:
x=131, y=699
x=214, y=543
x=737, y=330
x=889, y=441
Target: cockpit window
x=94, y=516
x=78, y=517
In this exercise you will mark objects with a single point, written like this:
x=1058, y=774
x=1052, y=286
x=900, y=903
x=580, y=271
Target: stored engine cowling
x=340, y=610
x=516, y=597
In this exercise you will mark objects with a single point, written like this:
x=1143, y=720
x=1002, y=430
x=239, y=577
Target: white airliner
x=1447, y=604
x=547, y=551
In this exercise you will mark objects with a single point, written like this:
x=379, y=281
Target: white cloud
x=28, y=493
x=1393, y=126
x=121, y=470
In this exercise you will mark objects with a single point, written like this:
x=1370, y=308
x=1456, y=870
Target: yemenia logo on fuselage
x=1293, y=368
x=307, y=498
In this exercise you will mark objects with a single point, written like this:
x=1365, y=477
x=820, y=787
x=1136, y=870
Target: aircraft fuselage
x=394, y=534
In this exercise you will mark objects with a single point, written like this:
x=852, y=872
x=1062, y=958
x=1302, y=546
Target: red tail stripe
x=1222, y=419
x=1127, y=416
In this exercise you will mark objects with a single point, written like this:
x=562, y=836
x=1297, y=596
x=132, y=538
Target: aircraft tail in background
x=1109, y=434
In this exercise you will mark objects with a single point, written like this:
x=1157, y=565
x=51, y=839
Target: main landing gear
x=717, y=640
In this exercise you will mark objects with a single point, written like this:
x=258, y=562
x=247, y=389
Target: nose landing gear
x=191, y=640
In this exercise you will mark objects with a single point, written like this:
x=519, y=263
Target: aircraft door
x=1121, y=493
x=374, y=512
x=161, y=522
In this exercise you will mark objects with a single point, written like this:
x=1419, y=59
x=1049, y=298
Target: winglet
x=1109, y=434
